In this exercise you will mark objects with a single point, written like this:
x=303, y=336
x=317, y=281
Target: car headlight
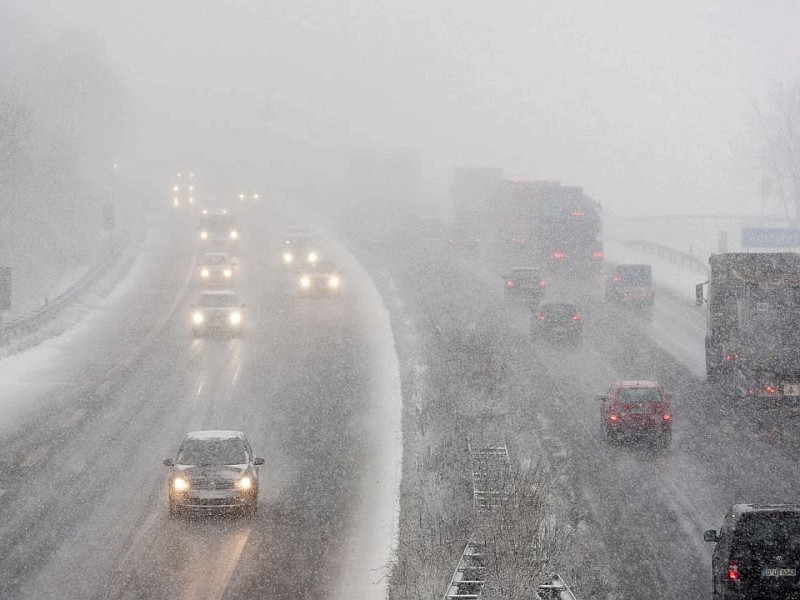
x=287, y=257
x=245, y=483
x=235, y=318
x=203, y=235
x=234, y=234
x=198, y=317
x=227, y=273
x=305, y=281
x=204, y=273
x=312, y=257
x=179, y=484
x=333, y=281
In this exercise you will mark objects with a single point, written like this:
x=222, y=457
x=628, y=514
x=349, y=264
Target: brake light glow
x=510, y=283
x=541, y=316
x=733, y=571
x=666, y=416
x=613, y=418
x=542, y=283
x=577, y=214
x=558, y=255
x=597, y=255
x=617, y=277
x=731, y=357
x=576, y=317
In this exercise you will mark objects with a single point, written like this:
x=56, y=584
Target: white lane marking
x=35, y=456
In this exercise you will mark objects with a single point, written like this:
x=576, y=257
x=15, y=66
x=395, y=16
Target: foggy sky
x=649, y=105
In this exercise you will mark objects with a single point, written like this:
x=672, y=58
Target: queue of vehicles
x=751, y=342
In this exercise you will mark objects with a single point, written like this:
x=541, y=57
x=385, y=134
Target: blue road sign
x=764, y=237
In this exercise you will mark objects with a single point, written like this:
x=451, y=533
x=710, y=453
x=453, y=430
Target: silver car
x=214, y=470
x=217, y=311
x=215, y=268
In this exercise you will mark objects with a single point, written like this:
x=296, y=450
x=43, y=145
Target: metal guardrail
x=20, y=327
x=676, y=257
x=490, y=463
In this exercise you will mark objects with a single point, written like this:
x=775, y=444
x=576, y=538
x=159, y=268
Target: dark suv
x=758, y=553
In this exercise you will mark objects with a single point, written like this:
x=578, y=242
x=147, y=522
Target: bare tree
x=781, y=126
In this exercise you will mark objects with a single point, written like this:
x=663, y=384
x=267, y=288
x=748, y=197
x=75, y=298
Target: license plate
x=791, y=389
x=638, y=410
x=780, y=572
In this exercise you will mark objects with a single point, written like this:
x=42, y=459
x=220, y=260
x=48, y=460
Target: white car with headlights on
x=217, y=311
x=320, y=279
x=213, y=470
x=214, y=269
x=299, y=248
x=218, y=229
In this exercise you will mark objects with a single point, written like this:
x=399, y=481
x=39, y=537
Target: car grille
x=212, y=484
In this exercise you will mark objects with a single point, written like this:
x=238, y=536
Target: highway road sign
x=765, y=237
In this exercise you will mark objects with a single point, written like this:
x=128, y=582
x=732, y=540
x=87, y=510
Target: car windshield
x=639, y=395
x=523, y=274
x=217, y=301
x=559, y=311
x=635, y=274
x=324, y=267
x=214, y=259
x=219, y=222
x=762, y=533
x=212, y=452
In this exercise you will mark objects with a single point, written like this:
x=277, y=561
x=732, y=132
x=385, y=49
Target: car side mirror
x=258, y=461
x=710, y=536
x=167, y=462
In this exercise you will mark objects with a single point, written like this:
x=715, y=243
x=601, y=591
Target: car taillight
x=576, y=317
x=597, y=255
x=666, y=416
x=613, y=418
x=577, y=214
x=558, y=255
x=542, y=283
x=731, y=357
x=510, y=283
x=733, y=571
x=541, y=316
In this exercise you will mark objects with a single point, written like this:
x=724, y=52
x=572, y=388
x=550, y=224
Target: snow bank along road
x=88, y=416
x=643, y=509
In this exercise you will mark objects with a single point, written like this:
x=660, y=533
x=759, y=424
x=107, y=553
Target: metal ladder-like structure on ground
x=490, y=463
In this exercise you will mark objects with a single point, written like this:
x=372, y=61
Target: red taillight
x=576, y=317
x=733, y=571
x=597, y=255
x=769, y=390
x=541, y=316
x=666, y=416
x=613, y=418
x=577, y=214
x=731, y=357
x=617, y=278
x=558, y=255
x=542, y=283
x=510, y=283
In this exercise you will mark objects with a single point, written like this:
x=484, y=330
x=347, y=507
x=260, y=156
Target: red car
x=637, y=409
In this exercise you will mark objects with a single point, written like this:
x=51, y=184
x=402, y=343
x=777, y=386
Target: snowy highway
x=91, y=414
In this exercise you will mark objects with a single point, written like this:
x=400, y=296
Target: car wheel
x=665, y=439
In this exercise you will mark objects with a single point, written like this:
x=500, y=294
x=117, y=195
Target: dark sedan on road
x=214, y=470
x=524, y=284
x=557, y=322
